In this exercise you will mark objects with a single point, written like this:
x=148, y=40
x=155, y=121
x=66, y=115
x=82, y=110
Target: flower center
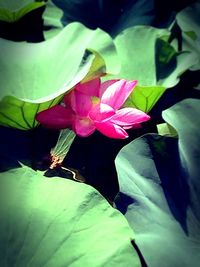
x=85, y=121
x=95, y=100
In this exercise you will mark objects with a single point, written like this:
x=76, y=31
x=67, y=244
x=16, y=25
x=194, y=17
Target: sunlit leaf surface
x=160, y=189
x=189, y=21
x=13, y=5
x=19, y=114
x=136, y=48
x=15, y=12
x=39, y=73
x=144, y=98
x=58, y=222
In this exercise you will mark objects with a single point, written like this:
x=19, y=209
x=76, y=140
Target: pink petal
x=117, y=93
x=90, y=88
x=56, y=117
x=68, y=97
x=134, y=126
x=111, y=130
x=83, y=127
x=80, y=103
x=101, y=112
x=129, y=116
x=105, y=85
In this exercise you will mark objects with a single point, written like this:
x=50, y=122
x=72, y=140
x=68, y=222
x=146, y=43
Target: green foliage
x=191, y=34
x=136, y=49
x=145, y=97
x=165, y=59
x=58, y=222
x=184, y=61
x=188, y=20
x=39, y=73
x=160, y=177
x=97, y=69
x=147, y=56
x=166, y=130
x=19, y=114
x=52, y=18
x=13, y=5
x=13, y=12
x=42, y=71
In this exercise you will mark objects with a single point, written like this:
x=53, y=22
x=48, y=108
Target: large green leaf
x=189, y=20
x=58, y=222
x=39, y=73
x=165, y=58
x=52, y=19
x=138, y=61
x=159, y=182
x=166, y=130
x=185, y=61
x=144, y=98
x=15, y=12
x=136, y=49
x=147, y=56
x=19, y=114
x=13, y=5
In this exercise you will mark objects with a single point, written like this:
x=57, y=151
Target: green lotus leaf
x=13, y=5
x=166, y=129
x=145, y=97
x=160, y=189
x=39, y=73
x=147, y=56
x=11, y=11
x=58, y=222
x=136, y=49
x=188, y=20
x=185, y=61
x=19, y=114
x=52, y=18
x=165, y=59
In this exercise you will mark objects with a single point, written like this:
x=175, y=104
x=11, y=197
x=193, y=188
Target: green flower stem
x=59, y=152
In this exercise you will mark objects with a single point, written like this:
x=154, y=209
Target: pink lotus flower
x=92, y=106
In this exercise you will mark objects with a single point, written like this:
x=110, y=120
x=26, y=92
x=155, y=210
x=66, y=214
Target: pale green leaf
x=97, y=69
x=52, y=17
x=13, y=5
x=145, y=97
x=12, y=15
x=165, y=59
x=147, y=56
x=41, y=72
x=185, y=61
x=19, y=114
x=136, y=49
x=58, y=222
x=159, y=182
x=166, y=130
x=189, y=20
